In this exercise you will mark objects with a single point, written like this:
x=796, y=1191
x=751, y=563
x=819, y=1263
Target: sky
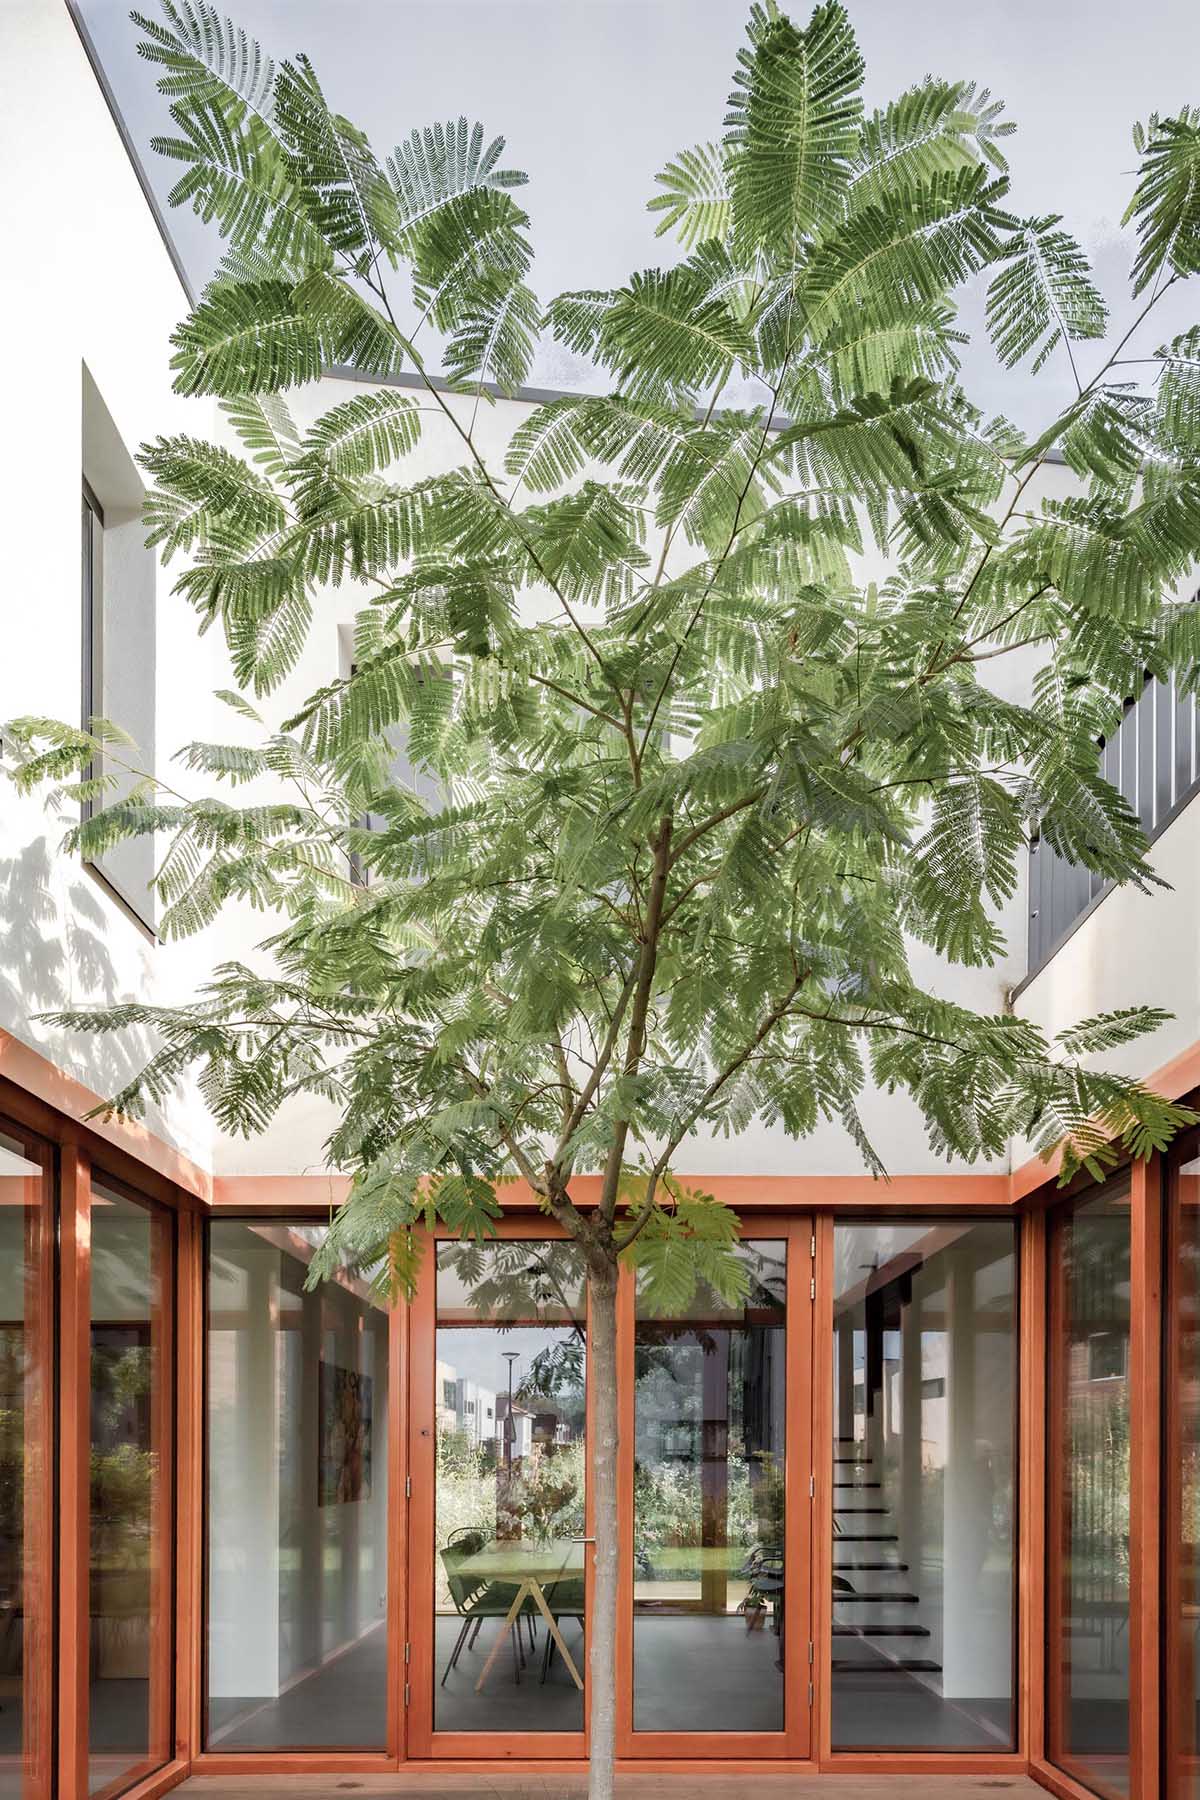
x=595, y=96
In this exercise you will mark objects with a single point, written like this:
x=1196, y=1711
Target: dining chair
x=477, y=1599
x=565, y=1599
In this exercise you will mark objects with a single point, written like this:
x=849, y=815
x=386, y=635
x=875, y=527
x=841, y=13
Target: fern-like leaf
x=794, y=119
x=695, y=202
x=1044, y=294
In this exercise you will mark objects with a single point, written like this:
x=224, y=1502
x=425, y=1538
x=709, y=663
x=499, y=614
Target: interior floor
x=692, y=1673
x=343, y=1704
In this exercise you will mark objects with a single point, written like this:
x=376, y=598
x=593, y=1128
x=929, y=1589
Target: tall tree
x=694, y=786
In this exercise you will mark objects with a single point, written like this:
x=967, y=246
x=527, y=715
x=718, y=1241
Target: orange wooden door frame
x=192, y=1599
x=1050, y=1759
x=420, y=1678
x=1029, y=1421
x=794, y=1742
x=171, y=1509
x=35, y=1756
x=1178, y=1662
x=74, y=1450
x=75, y=1402
x=1145, y=1518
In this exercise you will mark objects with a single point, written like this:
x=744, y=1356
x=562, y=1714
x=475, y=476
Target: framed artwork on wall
x=344, y=1435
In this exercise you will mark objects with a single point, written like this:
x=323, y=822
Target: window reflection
x=710, y=1574
x=923, y=1459
x=1088, y=1570
x=511, y=1403
x=297, y=1497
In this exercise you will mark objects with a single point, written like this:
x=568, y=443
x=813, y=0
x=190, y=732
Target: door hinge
x=408, y=1654
x=812, y=1247
x=810, y=1693
x=812, y=1487
x=810, y=1652
x=408, y=1487
x=406, y=1693
x=812, y=1288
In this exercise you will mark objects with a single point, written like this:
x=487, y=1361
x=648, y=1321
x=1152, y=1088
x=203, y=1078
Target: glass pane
x=1088, y=1711
x=129, y=1719
x=26, y=1548
x=924, y=1409
x=709, y=1576
x=511, y=1413
x=1183, y=1512
x=297, y=1497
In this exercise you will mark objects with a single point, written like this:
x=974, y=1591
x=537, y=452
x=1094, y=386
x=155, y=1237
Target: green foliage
x=689, y=788
x=1043, y=295
x=696, y=201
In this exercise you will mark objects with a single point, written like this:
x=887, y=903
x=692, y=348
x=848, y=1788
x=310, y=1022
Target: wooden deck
x=430, y=1784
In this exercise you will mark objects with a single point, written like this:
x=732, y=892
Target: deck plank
x=423, y=1783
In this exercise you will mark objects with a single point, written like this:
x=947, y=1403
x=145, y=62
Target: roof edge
x=129, y=147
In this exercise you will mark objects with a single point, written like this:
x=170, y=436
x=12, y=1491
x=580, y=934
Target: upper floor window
x=91, y=554
x=118, y=649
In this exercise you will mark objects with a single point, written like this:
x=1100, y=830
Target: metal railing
x=1153, y=757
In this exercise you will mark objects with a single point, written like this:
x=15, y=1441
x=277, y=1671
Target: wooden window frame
x=38, y=1584
x=1176, y=1667
x=162, y=1616
x=284, y=1761
x=75, y=1146
x=1146, y=1182
x=1029, y=1364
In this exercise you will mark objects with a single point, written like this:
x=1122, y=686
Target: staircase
x=875, y=1629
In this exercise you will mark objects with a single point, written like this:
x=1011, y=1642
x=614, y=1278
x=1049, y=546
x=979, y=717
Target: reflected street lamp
x=510, y=1429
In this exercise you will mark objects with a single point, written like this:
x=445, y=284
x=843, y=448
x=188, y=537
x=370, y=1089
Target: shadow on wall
x=53, y=955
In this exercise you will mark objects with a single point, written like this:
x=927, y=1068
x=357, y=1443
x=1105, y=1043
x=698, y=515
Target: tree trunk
x=602, y=1625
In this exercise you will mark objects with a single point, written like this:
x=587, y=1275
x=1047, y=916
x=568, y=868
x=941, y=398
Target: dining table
x=530, y=1568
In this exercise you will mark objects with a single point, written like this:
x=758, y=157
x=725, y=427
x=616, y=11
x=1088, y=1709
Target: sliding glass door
x=26, y=1444
x=130, y=1517
x=1088, y=1525
x=298, y=1497
x=715, y=1465
x=500, y=1570
x=1181, y=1480
x=923, y=1459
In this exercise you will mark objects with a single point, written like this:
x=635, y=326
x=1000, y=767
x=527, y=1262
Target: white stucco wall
x=85, y=282
x=1134, y=949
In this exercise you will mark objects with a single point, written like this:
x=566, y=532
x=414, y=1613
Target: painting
x=345, y=1436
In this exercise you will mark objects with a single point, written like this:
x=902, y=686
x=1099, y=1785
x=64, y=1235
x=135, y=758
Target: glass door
x=1088, y=1489
x=1181, y=1479
x=716, y=1460
x=499, y=1570
x=26, y=1491
x=923, y=1463
x=130, y=1522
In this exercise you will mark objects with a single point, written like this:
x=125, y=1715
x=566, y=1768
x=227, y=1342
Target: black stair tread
x=858, y=1487
x=852, y=1462
x=900, y=1599
x=868, y=1537
x=882, y=1631
x=874, y=1568
x=903, y=1666
x=860, y=1512
x=842, y=1440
